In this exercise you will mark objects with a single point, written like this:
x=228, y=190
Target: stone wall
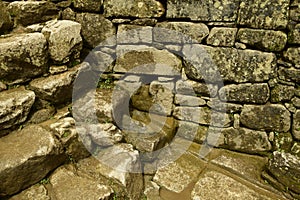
x=223, y=74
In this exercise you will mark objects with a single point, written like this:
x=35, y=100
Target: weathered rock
x=177, y=175
x=133, y=34
x=192, y=131
x=180, y=32
x=192, y=101
x=202, y=115
x=76, y=146
x=31, y=12
x=149, y=131
x=15, y=105
x=241, y=139
x=285, y=168
x=296, y=125
x=292, y=54
x=215, y=185
x=42, y=115
x=64, y=181
x=120, y=164
x=151, y=190
x=282, y=93
x=5, y=20
x=22, y=56
x=215, y=64
x=268, y=40
x=146, y=60
x=95, y=28
x=294, y=35
x=281, y=141
x=289, y=74
x=144, y=22
x=57, y=69
x=295, y=11
x=27, y=162
x=88, y=5
x=193, y=88
x=68, y=14
x=2, y=86
x=264, y=14
x=37, y=191
x=218, y=105
x=220, y=10
x=272, y=117
x=296, y=102
x=131, y=8
x=221, y=36
x=245, y=93
x=56, y=88
x=64, y=40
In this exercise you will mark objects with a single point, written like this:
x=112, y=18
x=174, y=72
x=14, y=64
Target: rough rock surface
x=194, y=88
x=229, y=64
x=95, y=28
x=64, y=181
x=245, y=93
x=266, y=14
x=268, y=40
x=180, y=32
x=37, y=191
x=184, y=100
x=64, y=40
x=272, y=117
x=146, y=60
x=294, y=35
x=22, y=56
x=215, y=185
x=5, y=19
x=31, y=161
x=15, y=105
x=131, y=8
x=292, y=54
x=88, y=5
x=289, y=74
x=221, y=36
x=56, y=88
x=134, y=34
x=296, y=125
x=31, y=12
x=220, y=10
x=285, y=168
x=241, y=139
x=282, y=93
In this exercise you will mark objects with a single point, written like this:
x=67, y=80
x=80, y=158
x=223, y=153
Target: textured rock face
x=5, y=19
x=245, y=93
x=183, y=32
x=230, y=64
x=294, y=35
x=31, y=161
x=57, y=88
x=282, y=93
x=224, y=37
x=267, y=14
x=134, y=34
x=292, y=54
x=273, y=117
x=95, y=28
x=193, y=88
x=146, y=60
x=15, y=105
x=131, y=8
x=289, y=74
x=35, y=192
x=264, y=39
x=88, y=5
x=64, y=40
x=22, y=56
x=215, y=185
x=220, y=10
x=31, y=12
x=296, y=125
x=285, y=168
x=64, y=180
x=240, y=139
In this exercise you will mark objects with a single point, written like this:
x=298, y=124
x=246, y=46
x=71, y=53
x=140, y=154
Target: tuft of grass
x=106, y=84
x=44, y=181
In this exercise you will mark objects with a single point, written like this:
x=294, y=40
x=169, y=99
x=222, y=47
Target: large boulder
x=32, y=12
x=24, y=163
x=22, y=57
x=64, y=40
x=15, y=105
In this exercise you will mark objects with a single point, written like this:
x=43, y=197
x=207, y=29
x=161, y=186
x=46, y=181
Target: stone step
x=26, y=157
